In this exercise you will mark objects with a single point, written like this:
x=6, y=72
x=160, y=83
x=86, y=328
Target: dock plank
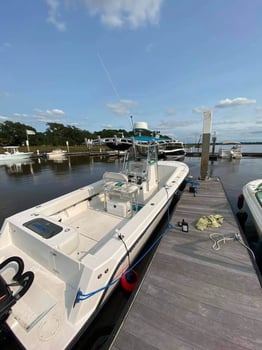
x=194, y=297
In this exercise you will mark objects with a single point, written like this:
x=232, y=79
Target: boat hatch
x=43, y=227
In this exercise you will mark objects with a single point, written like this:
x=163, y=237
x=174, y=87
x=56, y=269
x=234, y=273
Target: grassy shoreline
x=48, y=148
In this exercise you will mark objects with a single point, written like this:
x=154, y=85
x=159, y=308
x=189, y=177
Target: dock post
x=67, y=146
x=205, y=145
x=214, y=138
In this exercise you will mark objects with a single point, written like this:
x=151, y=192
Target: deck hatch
x=43, y=227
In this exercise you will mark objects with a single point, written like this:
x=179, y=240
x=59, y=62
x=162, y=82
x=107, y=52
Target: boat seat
x=117, y=188
x=118, y=183
x=115, y=177
x=115, y=182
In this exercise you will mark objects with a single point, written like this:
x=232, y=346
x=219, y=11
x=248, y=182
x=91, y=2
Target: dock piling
x=205, y=145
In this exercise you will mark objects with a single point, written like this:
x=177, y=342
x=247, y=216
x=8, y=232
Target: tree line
x=55, y=134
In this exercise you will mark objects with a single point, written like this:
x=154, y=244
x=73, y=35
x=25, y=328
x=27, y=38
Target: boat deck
x=91, y=228
x=195, y=297
x=92, y=223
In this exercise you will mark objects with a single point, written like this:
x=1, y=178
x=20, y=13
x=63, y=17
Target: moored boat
x=167, y=147
x=56, y=154
x=230, y=150
x=252, y=193
x=12, y=153
x=118, y=143
x=75, y=248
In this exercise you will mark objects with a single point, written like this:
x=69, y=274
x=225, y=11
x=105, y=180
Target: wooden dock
x=192, y=296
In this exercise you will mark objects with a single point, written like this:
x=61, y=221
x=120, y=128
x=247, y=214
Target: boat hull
x=175, y=154
x=15, y=157
x=253, y=200
x=230, y=150
x=121, y=146
x=56, y=154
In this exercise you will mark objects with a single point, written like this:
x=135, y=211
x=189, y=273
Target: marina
x=130, y=175
x=49, y=179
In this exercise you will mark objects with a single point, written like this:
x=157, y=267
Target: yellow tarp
x=209, y=221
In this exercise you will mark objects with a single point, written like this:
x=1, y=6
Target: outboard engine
x=20, y=280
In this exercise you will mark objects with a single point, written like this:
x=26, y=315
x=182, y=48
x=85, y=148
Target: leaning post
x=205, y=145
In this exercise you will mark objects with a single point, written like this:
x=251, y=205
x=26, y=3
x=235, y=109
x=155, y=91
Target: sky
x=94, y=63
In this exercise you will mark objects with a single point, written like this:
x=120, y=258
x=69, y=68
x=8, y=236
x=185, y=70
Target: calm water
x=25, y=185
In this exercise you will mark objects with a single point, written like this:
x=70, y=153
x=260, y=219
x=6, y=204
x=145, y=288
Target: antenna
x=132, y=124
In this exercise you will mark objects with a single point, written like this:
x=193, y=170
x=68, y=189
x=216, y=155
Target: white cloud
x=50, y=113
x=3, y=117
x=107, y=126
x=123, y=107
x=201, y=109
x=167, y=125
x=54, y=15
x=131, y=13
x=235, y=102
x=20, y=115
x=112, y=13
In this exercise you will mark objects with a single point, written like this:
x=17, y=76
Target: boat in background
x=252, y=193
x=230, y=150
x=56, y=154
x=118, y=143
x=72, y=261
x=167, y=147
x=12, y=153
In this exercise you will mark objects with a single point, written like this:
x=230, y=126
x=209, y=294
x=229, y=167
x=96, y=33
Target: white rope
x=231, y=237
x=220, y=238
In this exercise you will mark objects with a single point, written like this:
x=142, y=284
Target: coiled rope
x=218, y=238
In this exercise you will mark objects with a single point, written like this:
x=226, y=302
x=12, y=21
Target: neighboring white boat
x=252, y=193
x=167, y=147
x=172, y=149
x=56, y=154
x=75, y=248
x=12, y=153
x=230, y=150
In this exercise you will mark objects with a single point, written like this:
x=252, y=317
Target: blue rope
x=81, y=296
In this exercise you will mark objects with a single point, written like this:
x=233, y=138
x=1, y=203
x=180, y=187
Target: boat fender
x=242, y=218
x=240, y=201
x=129, y=280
